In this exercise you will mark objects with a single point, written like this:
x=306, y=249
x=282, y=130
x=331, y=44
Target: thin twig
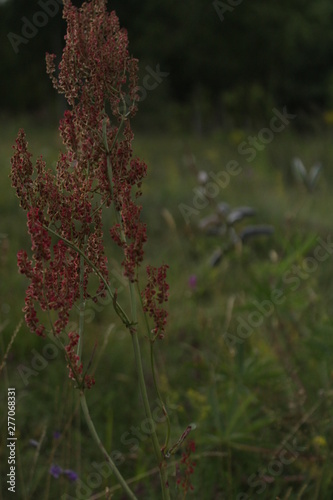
x=10, y=342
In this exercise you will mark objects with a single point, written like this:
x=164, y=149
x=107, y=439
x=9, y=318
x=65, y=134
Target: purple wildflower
x=72, y=476
x=192, y=281
x=55, y=471
x=56, y=435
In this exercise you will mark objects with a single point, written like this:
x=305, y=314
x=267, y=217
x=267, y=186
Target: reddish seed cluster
x=155, y=294
x=74, y=362
x=184, y=481
x=95, y=74
x=131, y=233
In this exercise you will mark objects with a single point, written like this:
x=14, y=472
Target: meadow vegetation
x=248, y=352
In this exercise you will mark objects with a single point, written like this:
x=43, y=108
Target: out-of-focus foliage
x=236, y=63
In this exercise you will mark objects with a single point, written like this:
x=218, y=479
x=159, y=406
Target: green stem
x=83, y=400
x=143, y=388
x=136, y=345
x=96, y=438
x=105, y=138
x=152, y=362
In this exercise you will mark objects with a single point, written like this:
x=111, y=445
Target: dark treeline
x=233, y=58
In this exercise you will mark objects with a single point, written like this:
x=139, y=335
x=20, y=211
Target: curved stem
x=142, y=382
x=152, y=362
x=83, y=400
x=136, y=345
x=96, y=438
x=143, y=389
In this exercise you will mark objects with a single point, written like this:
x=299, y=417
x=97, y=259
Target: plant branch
x=143, y=389
x=99, y=443
x=119, y=310
x=152, y=362
x=136, y=345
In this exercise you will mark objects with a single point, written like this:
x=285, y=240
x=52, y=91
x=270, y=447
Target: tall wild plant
x=64, y=208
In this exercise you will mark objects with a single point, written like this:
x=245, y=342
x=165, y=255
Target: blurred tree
x=27, y=31
x=242, y=62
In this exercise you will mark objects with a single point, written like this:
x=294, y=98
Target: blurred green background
x=228, y=65
x=262, y=404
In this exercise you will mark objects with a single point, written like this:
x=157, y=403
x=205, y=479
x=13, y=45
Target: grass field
x=249, y=345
